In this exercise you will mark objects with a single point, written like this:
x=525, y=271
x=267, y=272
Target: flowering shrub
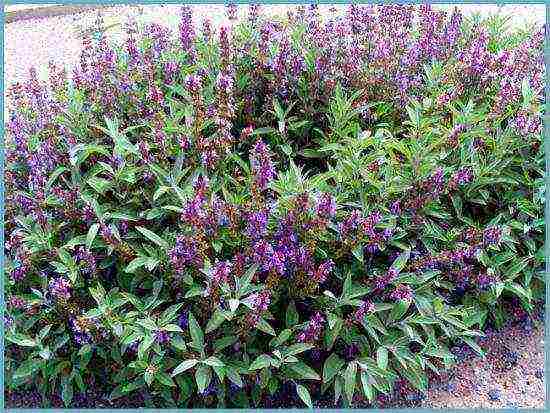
x=275, y=213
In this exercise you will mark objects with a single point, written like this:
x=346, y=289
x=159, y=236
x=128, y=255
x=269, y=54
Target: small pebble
x=415, y=397
x=512, y=357
x=539, y=374
x=451, y=387
x=494, y=395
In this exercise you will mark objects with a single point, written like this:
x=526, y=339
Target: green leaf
x=304, y=395
x=65, y=257
x=292, y=316
x=401, y=261
x=261, y=361
x=473, y=345
x=135, y=264
x=358, y=253
x=21, y=340
x=367, y=388
x=234, y=304
x=216, y=321
x=281, y=338
x=213, y=361
x=183, y=366
x=178, y=343
x=27, y=368
x=148, y=376
x=297, y=349
x=67, y=392
x=416, y=377
x=203, y=375
x=399, y=309
x=337, y=389
x=151, y=236
x=331, y=334
x=350, y=378
x=224, y=342
x=245, y=280
x=54, y=175
x=196, y=333
x=45, y=353
x=333, y=364
x=522, y=293
x=165, y=379
x=144, y=345
x=382, y=357
x=516, y=267
x=304, y=371
x=265, y=327
x=101, y=185
x=92, y=232
x=234, y=377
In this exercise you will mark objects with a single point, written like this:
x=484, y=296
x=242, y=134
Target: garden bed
x=297, y=210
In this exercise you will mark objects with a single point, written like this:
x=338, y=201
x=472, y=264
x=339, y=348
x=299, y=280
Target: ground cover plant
x=282, y=212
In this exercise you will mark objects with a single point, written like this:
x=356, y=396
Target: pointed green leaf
x=350, y=378
x=92, y=232
x=196, y=333
x=304, y=395
x=382, y=357
x=203, y=375
x=151, y=236
x=332, y=366
x=183, y=366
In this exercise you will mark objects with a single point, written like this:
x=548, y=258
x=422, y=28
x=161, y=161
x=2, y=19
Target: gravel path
x=510, y=376
x=36, y=42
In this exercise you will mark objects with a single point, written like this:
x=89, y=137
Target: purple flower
x=383, y=281
x=187, y=32
x=322, y=273
x=326, y=206
x=461, y=177
x=256, y=227
x=185, y=253
x=277, y=262
x=350, y=224
x=254, y=13
x=19, y=273
x=8, y=321
x=351, y=352
x=193, y=84
x=211, y=389
x=365, y=308
x=395, y=208
x=484, y=280
x=402, y=292
x=86, y=259
x=108, y=235
x=60, y=288
x=261, y=301
x=183, y=320
x=312, y=330
x=16, y=303
x=221, y=272
x=262, y=165
x=162, y=337
x=171, y=70
x=492, y=235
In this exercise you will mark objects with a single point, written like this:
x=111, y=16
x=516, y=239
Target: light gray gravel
x=35, y=42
